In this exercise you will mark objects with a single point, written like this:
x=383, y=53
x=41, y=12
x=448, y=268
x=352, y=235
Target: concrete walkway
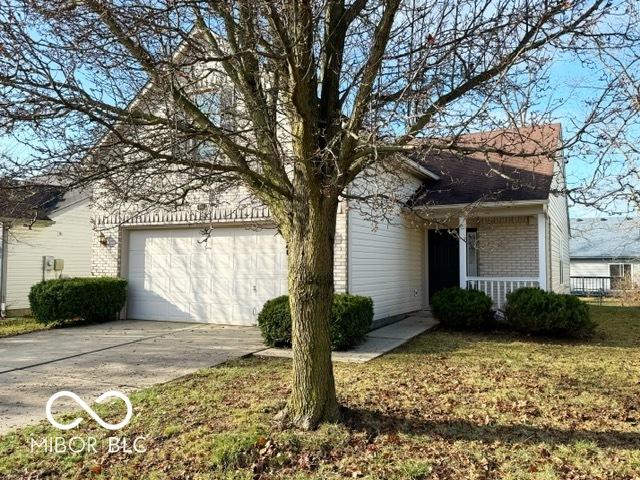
x=121, y=355
x=378, y=341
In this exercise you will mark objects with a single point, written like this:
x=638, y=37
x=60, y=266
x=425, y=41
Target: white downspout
x=3, y=270
x=462, y=250
x=542, y=250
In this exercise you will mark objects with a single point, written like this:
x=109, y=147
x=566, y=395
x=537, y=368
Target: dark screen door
x=444, y=261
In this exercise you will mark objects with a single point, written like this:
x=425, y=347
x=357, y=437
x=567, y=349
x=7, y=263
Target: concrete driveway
x=121, y=355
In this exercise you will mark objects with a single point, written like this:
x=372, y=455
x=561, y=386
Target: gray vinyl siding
x=600, y=267
x=558, y=234
x=386, y=261
x=68, y=238
x=589, y=268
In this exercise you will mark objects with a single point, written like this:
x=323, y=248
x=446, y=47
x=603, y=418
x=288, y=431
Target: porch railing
x=594, y=286
x=498, y=287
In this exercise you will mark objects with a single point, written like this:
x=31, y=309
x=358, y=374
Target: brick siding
x=508, y=247
x=108, y=227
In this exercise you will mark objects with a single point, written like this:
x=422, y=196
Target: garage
x=176, y=275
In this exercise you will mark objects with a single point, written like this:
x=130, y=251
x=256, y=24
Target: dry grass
x=446, y=406
x=17, y=326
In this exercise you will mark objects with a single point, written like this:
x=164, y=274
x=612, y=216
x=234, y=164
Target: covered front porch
x=494, y=252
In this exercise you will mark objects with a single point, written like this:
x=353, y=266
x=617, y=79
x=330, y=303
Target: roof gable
x=29, y=201
x=512, y=165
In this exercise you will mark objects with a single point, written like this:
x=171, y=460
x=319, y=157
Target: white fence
x=498, y=287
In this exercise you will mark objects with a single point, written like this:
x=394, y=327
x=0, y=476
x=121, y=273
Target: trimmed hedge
x=93, y=299
x=462, y=309
x=538, y=312
x=351, y=317
x=274, y=321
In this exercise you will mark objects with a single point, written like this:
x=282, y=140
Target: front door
x=444, y=261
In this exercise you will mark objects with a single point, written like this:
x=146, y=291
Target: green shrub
x=462, y=309
x=93, y=299
x=351, y=317
x=535, y=311
x=274, y=321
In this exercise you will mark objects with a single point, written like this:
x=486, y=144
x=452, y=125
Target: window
x=620, y=274
x=218, y=104
x=472, y=252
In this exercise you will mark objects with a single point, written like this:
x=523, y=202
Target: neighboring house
x=490, y=222
x=45, y=233
x=605, y=254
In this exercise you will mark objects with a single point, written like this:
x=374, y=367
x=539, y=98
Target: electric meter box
x=48, y=263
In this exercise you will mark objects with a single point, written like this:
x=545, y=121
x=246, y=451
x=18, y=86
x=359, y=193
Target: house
x=494, y=221
x=605, y=254
x=45, y=233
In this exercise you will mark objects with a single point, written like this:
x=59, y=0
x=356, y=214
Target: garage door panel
x=221, y=290
x=221, y=313
x=172, y=276
x=246, y=241
x=180, y=285
x=199, y=264
x=180, y=298
x=199, y=312
x=138, y=242
x=267, y=263
x=243, y=288
x=157, y=285
x=138, y=261
x=243, y=314
x=178, y=310
x=221, y=264
x=148, y=310
x=156, y=245
x=269, y=242
x=161, y=263
x=200, y=288
x=266, y=288
x=185, y=244
x=244, y=264
x=180, y=263
x=219, y=241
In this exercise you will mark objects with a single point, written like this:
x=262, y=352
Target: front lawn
x=16, y=326
x=446, y=406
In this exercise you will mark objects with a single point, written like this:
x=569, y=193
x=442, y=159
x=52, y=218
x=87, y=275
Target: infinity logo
x=89, y=410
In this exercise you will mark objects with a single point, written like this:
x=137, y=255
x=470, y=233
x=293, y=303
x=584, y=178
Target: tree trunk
x=310, y=252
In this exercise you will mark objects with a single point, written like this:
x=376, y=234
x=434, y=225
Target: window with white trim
x=620, y=274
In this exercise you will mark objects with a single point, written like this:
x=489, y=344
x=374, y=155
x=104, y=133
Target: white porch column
x=542, y=250
x=462, y=248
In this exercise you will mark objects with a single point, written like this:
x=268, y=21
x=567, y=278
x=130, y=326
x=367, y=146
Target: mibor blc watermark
x=89, y=444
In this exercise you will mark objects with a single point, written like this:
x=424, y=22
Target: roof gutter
x=418, y=170
x=488, y=205
x=603, y=258
x=27, y=222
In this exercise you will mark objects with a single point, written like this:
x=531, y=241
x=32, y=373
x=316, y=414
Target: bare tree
x=291, y=100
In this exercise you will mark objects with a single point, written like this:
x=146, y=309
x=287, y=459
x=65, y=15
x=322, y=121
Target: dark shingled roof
x=613, y=237
x=521, y=170
x=28, y=201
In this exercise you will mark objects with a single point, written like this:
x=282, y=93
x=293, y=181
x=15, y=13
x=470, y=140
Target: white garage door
x=174, y=275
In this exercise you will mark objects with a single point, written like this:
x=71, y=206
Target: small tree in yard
x=302, y=97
